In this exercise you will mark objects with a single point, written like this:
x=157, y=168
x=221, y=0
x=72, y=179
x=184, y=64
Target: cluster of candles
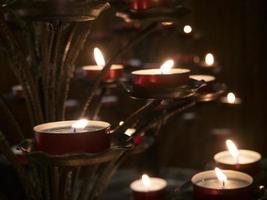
x=93, y=136
x=78, y=136
x=232, y=183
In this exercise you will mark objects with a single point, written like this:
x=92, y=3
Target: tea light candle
x=231, y=99
x=92, y=71
x=154, y=80
x=242, y=160
x=72, y=137
x=222, y=185
x=149, y=188
x=18, y=91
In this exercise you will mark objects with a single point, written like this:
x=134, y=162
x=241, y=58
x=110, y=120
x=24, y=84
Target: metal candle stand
x=57, y=31
x=71, y=177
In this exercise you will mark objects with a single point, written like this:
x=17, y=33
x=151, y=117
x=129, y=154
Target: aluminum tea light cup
x=222, y=185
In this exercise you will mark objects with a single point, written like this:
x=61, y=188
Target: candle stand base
x=71, y=177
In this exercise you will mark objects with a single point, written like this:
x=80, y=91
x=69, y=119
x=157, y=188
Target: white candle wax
x=72, y=130
x=209, y=180
x=156, y=185
x=202, y=77
x=99, y=68
x=245, y=157
x=159, y=72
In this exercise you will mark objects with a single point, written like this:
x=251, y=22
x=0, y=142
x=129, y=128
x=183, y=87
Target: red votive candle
x=92, y=71
x=233, y=186
x=140, y=4
x=149, y=188
x=248, y=161
x=18, y=91
x=72, y=137
x=157, y=80
x=242, y=160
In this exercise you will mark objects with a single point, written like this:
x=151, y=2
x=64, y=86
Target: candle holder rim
x=226, y=153
x=229, y=173
x=71, y=159
x=180, y=92
x=41, y=128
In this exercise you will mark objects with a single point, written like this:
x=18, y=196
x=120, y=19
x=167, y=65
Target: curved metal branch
x=136, y=115
x=6, y=150
x=161, y=118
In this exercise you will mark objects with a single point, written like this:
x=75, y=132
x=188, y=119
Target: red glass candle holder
x=92, y=71
x=140, y=4
x=18, y=91
x=145, y=4
x=248, y=162
x=58, y=138
x=206, y=187
x=152, y=80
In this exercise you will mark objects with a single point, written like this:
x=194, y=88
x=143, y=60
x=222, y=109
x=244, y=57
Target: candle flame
x=187, y=29
x=232, y=149
x=99, y=58
x=220, y=175
x=209, y=59
x=146, y=181
x=80, y=124
x=166, y=66
x=231, y=97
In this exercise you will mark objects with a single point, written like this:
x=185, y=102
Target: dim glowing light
x=99, y=58
x=167, y=66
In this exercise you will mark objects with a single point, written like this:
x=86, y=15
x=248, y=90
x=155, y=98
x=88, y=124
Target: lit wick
x=221, y=176
x=80, y=124
x=166, y=67
x=233, y=150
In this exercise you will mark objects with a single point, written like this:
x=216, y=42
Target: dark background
x=235, y=32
